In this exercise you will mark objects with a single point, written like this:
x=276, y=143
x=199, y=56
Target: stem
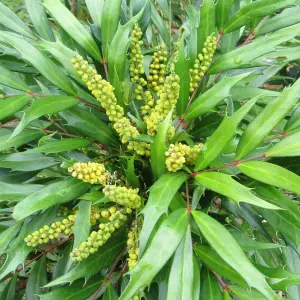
x=221, y=33
x=222, y=283
x=233, y=164
x=120, y=274
x=74, y=7
x=282, y=135
x=107, y=279
x=188, y=205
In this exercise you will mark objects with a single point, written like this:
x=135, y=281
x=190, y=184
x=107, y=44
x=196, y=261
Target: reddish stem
x=233, y=164
x=188, y=205
x=283, y=135
x=221, y=33
x=222, y=283
x=120, y=274
x=105, y=67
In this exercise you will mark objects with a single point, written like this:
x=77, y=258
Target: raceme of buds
x=89, y=172
x=99, y=238
x=97, y=213
x=125, y=130
x=48, y=233
x=149, y=103
x=201, y=64
x=141, y=148
x=133, y=245
x=191, y=153
x=136, y=68
x=157, y=69
x=83, y=69
x=123, y=196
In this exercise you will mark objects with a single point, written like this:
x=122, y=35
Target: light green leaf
x=36, y=279
x=52, y=194
x=294, y=121
x=13, y=104
x=161, y=195
x=131, y=176
x=82, y=226
x=95, y=8
x=73, y=27
x=55, y=146
x=210, y=288
x=271, y=174
x=109, y=23
x=158, y=147
x=226, y=295
x=245, y=294
x=209, y=99
x=8, y=235
x=43, y=106
x=226, y=246
x=213, y=261
x=254, y=10
x=225, y=185
x=222, y=12
x=196, y=280
x=39, y=19
x=40, y=61
x=289, y=146
x=162, y=246
x=13, y=22
x=94, y=263
x=110, y=293
x=222, y=136
x=26, y=162
x=182, y=270
x=270, y=116
x=12, y=80
x=207, y=22
x=87, y=123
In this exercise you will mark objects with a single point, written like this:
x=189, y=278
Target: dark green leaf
x=95, y=8
x=43, y=106
x=54, y=193
x=226, y=246
x=161, y=195
x=270, y=116
x=222, y=12
x=110, y=293
x=8, y=235
x=55, y=146
x=13, y=104
x=12, y=80
x=9, y=293
x=163, y=245
x=73, y=27
x=160, y=24
x=245, y=294
x=132, y=178
x=271, y=174
x=225, y=185
x=210, y=288
x=294, y=121
x=36, y=279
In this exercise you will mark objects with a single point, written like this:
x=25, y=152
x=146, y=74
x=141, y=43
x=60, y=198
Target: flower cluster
x=89, y=172
x=97, y=213
x=100, y=237
x=149, y=103
x=201, y=64
x=180, y=154
x=48, y=233
x=136, y=68
x=123, y=196
x=133, y=245
x=157, y=68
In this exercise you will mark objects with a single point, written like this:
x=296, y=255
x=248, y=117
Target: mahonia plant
x=150, y=150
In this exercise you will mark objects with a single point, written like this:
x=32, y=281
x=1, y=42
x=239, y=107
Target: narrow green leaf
x=109, y=23
x=131, y=176
x=26, y=162
x=64, y=263
x=271, y=174
x=87, y=123
x=55, y=146
x=43, y=106
x=278, y=198
x=95, y=8
x=163, y=245
x=94, y=263
x=270, y=116
x=225, y=185
x=210, y=288
x=182, y=270
x=12, y=80
x=13, y=104
x=54, y=193
x=40, y=61
x=215, y=262
x=207, y=22
x=75, y=290
x=36, y=279
x=257, y=9
x=226, y=295
x=245, y=294
x=24, y=137
x=13, y=22
x=39, y=19
x=226, y=246
x=294, y=121
x=197, y=278
x=161, y=195
x=222, y=136
x=289, y=146
x=110, y=293
x=222, y=12
x=248, y=55
x=8, y=235
x=158, y=148
x=209, y=99
x=82, y=226
x=73, y=27
x=9, y=293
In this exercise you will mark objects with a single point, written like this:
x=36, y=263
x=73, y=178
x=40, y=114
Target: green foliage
x=122, y=124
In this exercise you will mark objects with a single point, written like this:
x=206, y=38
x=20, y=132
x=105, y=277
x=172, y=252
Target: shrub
x=150, y=153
